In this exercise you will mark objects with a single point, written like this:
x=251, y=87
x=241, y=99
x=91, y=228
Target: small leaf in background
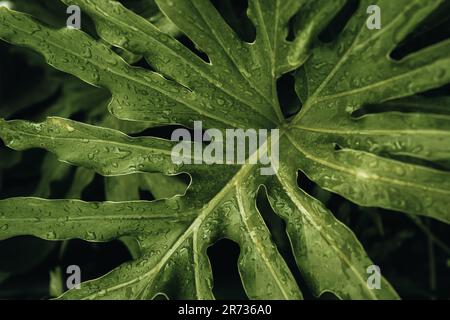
x=56, y=282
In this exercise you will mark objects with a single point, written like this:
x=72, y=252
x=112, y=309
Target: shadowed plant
x=362, y=133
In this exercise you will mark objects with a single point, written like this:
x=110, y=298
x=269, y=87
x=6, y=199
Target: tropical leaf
x=356, y=157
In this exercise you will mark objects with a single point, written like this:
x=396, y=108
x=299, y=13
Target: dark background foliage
x=412, y=254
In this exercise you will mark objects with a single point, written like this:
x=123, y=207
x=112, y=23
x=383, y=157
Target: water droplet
x=90, y=235
x=440, y=74
x=400, y=171
x=51, y=235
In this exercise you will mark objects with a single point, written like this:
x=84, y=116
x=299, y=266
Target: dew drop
x=51, y=235
x=400, y=171
x=440, y=74
x=90, y=235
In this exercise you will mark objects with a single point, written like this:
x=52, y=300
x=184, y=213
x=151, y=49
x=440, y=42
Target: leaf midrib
x=365, y=131
x=136, y=80
x=312, y=99
x=204, y=74
x=305, y=213
x=373, y=177
x=204, y=212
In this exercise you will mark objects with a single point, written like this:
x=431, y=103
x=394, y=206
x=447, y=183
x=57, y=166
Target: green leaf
x=56, y=170
x=362, y=158
x=56, y=282
x=3, y=276
x=317, y=236
x=67, y=138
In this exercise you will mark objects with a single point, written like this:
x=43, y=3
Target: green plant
x=365, y=159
